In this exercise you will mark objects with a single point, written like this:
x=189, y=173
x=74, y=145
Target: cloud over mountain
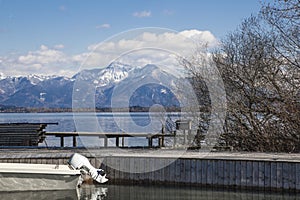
x=137, y=47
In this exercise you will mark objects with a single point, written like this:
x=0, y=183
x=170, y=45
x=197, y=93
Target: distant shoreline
x=13, y=109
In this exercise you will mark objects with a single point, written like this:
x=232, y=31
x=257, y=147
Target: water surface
x=147, y=192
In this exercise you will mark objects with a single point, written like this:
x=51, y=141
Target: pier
x=261, y=171
x=106, y=136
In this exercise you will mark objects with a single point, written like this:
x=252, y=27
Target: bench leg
x=105, y=141
x=150, y=141
x=74, y=141
x=62, y=141
x=117, y=141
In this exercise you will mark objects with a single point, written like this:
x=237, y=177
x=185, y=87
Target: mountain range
x=139, y=86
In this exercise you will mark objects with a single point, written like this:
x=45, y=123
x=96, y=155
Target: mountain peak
x=2, y=76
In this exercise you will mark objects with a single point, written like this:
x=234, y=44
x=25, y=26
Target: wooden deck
x=107, y=135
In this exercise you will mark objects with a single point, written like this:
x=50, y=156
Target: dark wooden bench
x=22, y=134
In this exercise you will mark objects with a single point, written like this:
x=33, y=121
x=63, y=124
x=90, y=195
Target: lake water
x=150, y=192
x=94, y=122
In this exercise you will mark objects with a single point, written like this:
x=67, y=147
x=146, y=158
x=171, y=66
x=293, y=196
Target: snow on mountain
x=2, y=76
x=114, y=73
x=57, y=91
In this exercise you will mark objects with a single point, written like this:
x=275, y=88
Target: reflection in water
x=92, y=192
x=134, y=192
x=40, y=195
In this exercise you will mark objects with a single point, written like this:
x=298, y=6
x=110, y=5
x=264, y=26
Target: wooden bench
x=106, y=136
x=22, y=134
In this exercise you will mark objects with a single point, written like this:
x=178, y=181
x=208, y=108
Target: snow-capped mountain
x=35, y=91
x=141, y=86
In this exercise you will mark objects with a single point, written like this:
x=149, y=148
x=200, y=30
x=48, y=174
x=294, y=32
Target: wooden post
x=162, y=137
x=160, y=142
x=150, y=141
x=105, y=141
x=62, y=141
x=175, y=140
x=117, y=141
x=74, y=141
x=189, y=136
x=184, y=137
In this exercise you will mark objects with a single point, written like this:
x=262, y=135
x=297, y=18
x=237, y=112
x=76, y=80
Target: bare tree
x=260, y=66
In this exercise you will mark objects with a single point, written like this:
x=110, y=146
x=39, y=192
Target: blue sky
x=69, y=27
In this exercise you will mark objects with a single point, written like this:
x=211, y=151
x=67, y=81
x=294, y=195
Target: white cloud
x=59, y=46
x=143, y=13
x=103, y=26
x=44, y=56
x=45, y=60
x=147, y=47
x=137, y=47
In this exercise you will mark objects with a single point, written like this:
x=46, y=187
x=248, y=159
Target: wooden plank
x=267, y=175
x=209, y=172
x=177, y=170
x=279, y=175
x=199, y=171
x=110, y=164
x=108, y=134
x=226, y=175
x=147, y=167
x=182, y=171
x=126, y=169
x=255, y=173
x=187, y=171
x=214, y=172
x=232, y=173
x=285, y=175
x=261, y=174
x=292, y=175
x=243, y=168
x=152, y=171
x=162, y=164
x=273, y=175
x=156, y=171
x=168, y=169
x=193, y=173
x=121, y=169
x=204, y=172
x=137, y=169
x=142, y=168
x=297, y=175
x=249, y=175
x=131, y=168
